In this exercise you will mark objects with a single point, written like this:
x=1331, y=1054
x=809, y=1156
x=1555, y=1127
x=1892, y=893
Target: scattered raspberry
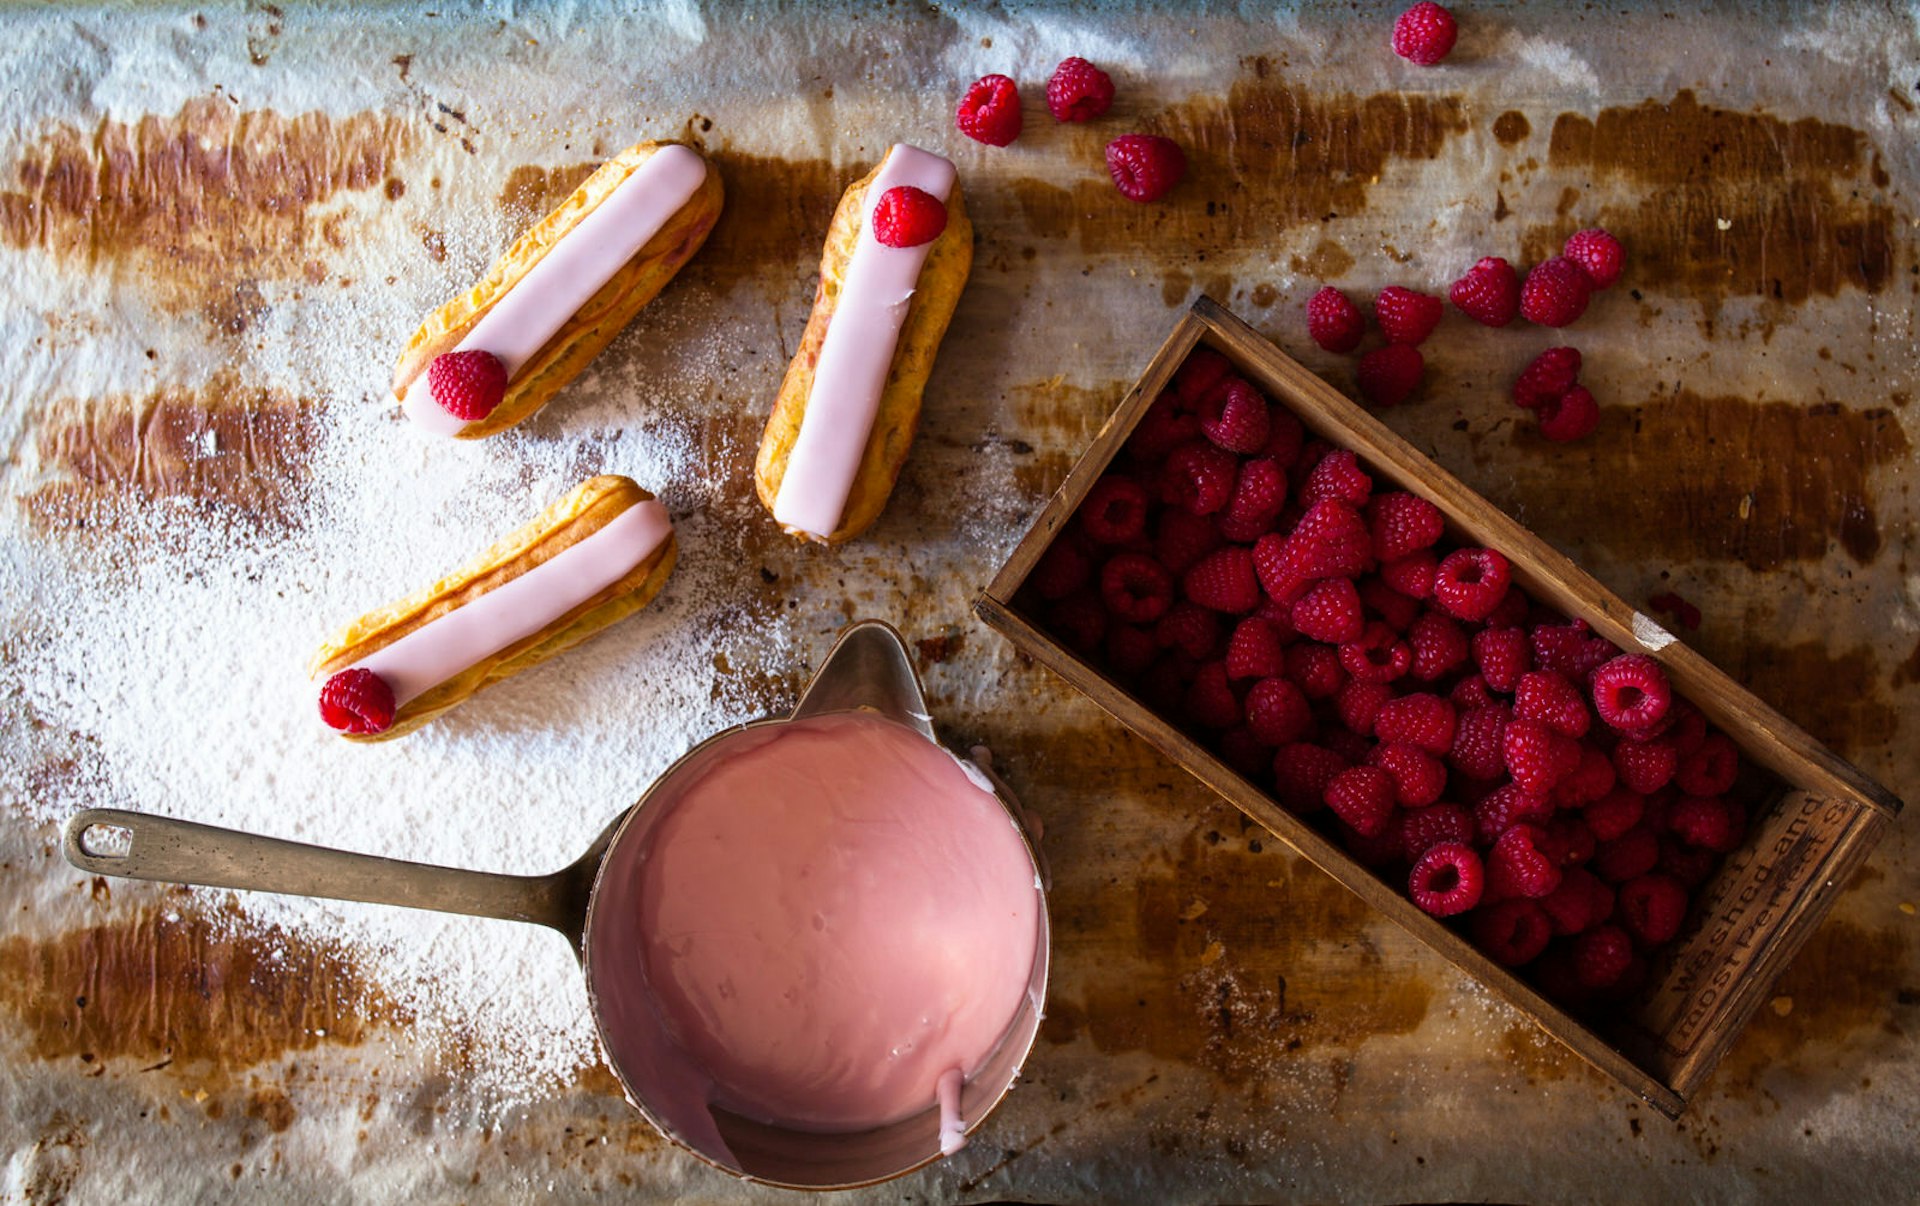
x=1447, y=879
x=1418, y=777
x=1388, y=376
x=1234, y=416
x=1333, y=321
x=1544, y=696
x=1536, y=756
x=1405, y=316
x=467, y=385
x=1393, y=609
x=1590, y=781
x=1581, y=902
x=357, y=702
x=1362, y=796
x=1626, y=857
x=1518, y=866
x=1489, y=293
x=1199, y=477
x=1301, y=773
x=1424, y=34
x=1210, y=698
x=1315, y=669
x=1506, y=807
x=1330, y=611
x=1358, y=703
x=1652, y=907
x=1707, y=821
x=1402, y=524
x=1190, y=628
x=1631, y=693
x=1614, y=814
x=1710, y=769
x=1422, y=719
x=1601, y=956
x=1501, y=654
x=1549, y=376
x=1166, y=425
x=1513, y=932
x=1145, y=167
x=1478, y=739
x=1470, y=583
x=1255, y=650
x=1081, y=621
x=1223, y=580
x=990, y=111
x=1439, y=647
x=1555, y=293
x=1115, y=510
x=1379, y=656
x=1182, y=538
x=907, y=217
x=1277, y=713
x=1599, y=255
x=1129, y=649
x=1412, y=575
x=1259, y=495
x=1078, y=91
x=1061, y=570
x=1645, y=766
x=1199, y=374
x=1136, y=588
x=1572, y=416
x=1425, y=828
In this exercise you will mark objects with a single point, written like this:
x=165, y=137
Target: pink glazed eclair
x=561, y=292
x=598, y=555
x=850, y=403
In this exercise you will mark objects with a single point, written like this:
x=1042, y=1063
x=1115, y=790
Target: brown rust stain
x=1840, y=698
x=206, y=995
x=1511, y=127
x=1711, y=477
x=531, y=192
x=1326, y=262
x=775, y=220
x=243, y=449
x=271, y=1105
x=1725, y=203
x=1847, y=985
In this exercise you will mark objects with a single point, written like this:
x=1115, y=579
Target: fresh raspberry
x=1447, y=879
x=1379, y=656
x=1550, y=375
x=1255, y=650
x=1277, y=713
x=1333, y=321
x=1506, y=807
x=1424, y=34
x=1163, y=685
x=1589, y=783
x=1571, y=650
x=1081, y=621
x=1418, y=777
x=1688, y=732
x=1598, y=253
x=1626, y=857
x=1439, y=647
x=1301, y=773
x=357, y=702
x=1614, y=814
x=1379, y=852
x=1425, y=828
x=1517, y=864
x=467, y=385
x=1601, y=956
x=1470, y=583
x=1130, y=650
x=1478, y=738
x=1651, y=907
x=1223, y=580
x=1166, y=425
x=1631, y=693
x=907, y=217
x=1569, y=842
x=1136, y=588
x=1645, y=766
x=1572, y=416
x=1362, y=796
x=1330, y=541
x=1579, y=903
x=1315, y=669
x=1259, y=495
x=1115, y=510
x=1536, y=756
x=1422, y=719
x=1145, y=167
x=1544, y=696
x=1337, y=476
x=1412, y=575
x=1511, y=612
x=1513, y=932
x=1078, y=91
x=1234, y=416
x=1330, y=611
x=1691, y=865
x=1489, y=293
x=1280, y=615
x=1286, y=435
x=1350, y=746
x=1392, y=608
x=1405, y=316
x=1501, y=654
x=1654, y=809
x=1190, y=628
x=1061, y=570
x=1709, y=770
x=1211, y=700
x=990, y=111
x=1555, y=293
x=1401, y=524
x=1471, y=692
x=1182, y=538
x=1357, y=704
x=1199, y=477
x=1707, y=821
x=1199, y=374
x=1245, y=756
x=1280, y=562
x=1388, y=376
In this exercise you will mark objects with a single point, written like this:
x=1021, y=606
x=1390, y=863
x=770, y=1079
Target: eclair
x=897, y=257
x=599, y=554
x=496, y=354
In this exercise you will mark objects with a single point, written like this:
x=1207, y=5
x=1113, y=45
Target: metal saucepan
x=868, y=669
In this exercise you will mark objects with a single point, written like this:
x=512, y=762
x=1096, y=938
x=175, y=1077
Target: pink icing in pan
x=521, y=322
x=856, y=355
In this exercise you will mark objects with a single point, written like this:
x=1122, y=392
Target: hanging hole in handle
x=106, y=841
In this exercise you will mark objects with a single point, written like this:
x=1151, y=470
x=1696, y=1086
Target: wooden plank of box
x=1803, y=844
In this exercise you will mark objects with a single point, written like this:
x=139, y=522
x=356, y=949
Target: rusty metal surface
x=177, y=188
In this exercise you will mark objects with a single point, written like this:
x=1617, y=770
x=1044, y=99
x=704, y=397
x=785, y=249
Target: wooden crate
x=1803, y=845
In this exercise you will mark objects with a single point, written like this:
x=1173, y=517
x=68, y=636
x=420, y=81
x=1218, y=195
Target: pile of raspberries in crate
x=1510, y=770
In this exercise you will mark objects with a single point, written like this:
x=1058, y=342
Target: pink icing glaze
x=435, y=652
x=835, y=919
x=856, y=355
x=521, y=322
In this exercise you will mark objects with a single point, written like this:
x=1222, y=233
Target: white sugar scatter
x=1652, y=637
x=1556, y=61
